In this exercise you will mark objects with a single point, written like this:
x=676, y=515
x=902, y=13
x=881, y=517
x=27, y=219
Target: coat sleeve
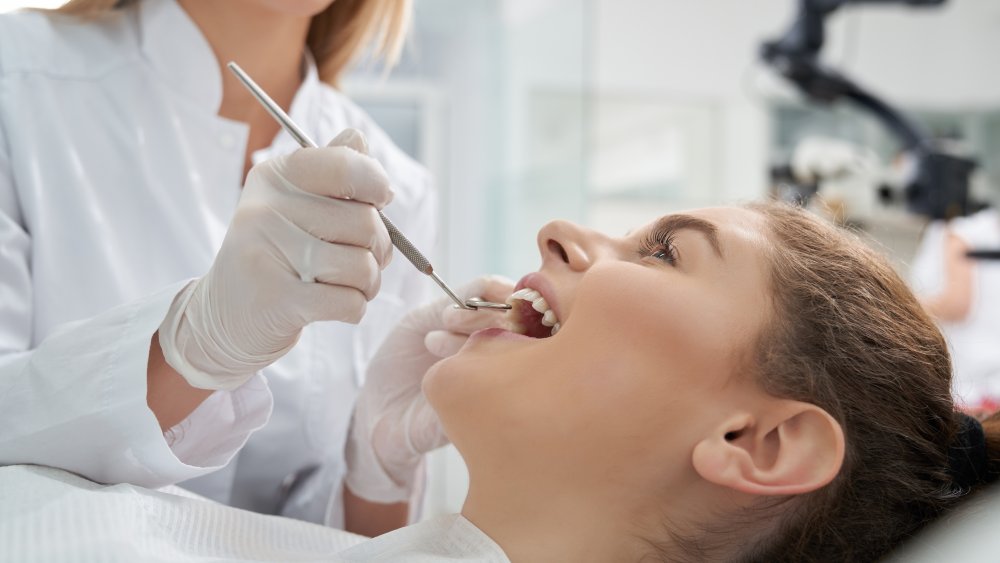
x=76, y=400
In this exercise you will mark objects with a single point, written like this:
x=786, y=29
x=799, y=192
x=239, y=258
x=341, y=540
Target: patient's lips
x=531, y=313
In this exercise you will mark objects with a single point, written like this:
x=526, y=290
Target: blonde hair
x=337, y=35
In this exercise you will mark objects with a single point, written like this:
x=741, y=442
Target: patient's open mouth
x=530, y=315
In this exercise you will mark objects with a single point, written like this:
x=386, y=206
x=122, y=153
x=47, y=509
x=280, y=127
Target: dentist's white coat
x=117, y=183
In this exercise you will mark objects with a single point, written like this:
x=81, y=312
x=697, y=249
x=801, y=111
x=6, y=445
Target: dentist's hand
x=393, y=425
x=305, y=244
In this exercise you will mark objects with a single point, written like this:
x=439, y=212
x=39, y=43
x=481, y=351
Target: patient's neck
x=532, y=521
x=596, y=516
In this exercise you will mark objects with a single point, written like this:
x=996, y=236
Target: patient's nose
x=562, y=242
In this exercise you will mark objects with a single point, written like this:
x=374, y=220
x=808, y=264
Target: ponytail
x=969, y=462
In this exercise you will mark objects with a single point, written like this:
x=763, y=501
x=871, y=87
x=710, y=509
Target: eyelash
x=660, y=241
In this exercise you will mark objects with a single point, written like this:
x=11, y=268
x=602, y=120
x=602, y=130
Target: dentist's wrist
x=202, y=352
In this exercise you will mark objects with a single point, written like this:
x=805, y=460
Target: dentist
x=159, y=324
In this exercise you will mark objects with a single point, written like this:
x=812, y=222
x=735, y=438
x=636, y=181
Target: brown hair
x=337, y=35
x=848, y=335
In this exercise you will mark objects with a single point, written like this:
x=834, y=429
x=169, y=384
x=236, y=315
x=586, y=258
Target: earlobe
x=793, y=448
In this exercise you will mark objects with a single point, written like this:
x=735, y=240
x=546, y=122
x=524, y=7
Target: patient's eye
x=659, y=244
x=666, y=253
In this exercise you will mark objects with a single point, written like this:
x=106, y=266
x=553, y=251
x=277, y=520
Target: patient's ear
x=790, y=449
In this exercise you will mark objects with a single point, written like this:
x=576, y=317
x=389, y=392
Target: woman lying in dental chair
x=729, y=384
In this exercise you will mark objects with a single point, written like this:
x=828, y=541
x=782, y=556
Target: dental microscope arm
x=939, y=189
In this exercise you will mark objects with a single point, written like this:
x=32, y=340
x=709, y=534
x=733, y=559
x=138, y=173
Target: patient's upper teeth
x=540, y=305
x=555, y=328
x=549, y=318
x=521, y=293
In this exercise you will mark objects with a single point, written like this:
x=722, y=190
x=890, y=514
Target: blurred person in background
x=963, y=295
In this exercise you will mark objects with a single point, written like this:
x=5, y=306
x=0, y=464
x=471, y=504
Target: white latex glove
x=393, y=425
x=297, y=251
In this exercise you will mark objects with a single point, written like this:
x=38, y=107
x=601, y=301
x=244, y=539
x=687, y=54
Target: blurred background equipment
x=939, y=186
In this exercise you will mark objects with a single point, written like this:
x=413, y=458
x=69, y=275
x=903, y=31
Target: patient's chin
x=436, y=382
x=452, y=394
x=454, y=384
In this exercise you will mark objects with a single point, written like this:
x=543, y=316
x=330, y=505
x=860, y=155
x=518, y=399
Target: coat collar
x=176, y=48
x=178, y=51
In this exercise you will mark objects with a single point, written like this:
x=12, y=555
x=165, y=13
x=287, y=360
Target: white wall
x=934, y=58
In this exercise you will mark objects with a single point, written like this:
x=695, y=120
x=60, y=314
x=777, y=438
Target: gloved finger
x=432, y=316
x=351, y=138
x=337, y=171
x=490, y=288
x=423, y=428
x=322, y=302
x=337, y=221
x=337, y=264
x=493, y=288
x=466, y=322
x=443, y=343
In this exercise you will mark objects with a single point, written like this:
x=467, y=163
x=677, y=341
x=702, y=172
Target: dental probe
x=398, y=240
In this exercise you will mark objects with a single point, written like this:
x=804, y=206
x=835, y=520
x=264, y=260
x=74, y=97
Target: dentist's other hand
x=305, y=244
x=393, y=425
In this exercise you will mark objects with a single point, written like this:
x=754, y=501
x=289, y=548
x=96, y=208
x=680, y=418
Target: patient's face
x=652, y=327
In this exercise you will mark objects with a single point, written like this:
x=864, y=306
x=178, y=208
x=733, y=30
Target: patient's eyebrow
x=681, y=221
